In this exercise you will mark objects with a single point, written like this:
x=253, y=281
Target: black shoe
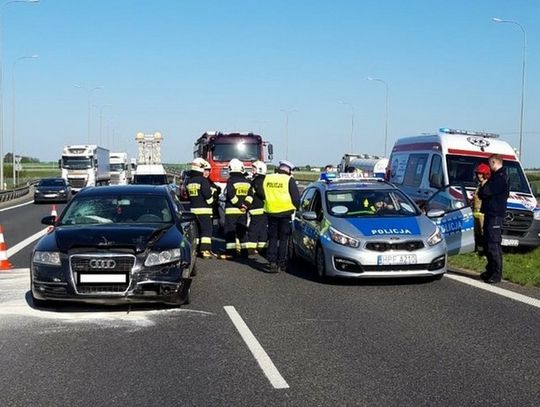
x=492, y=280
x=484, y=276
x=273, y=268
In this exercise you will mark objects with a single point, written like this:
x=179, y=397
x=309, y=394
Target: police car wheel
x=320, y=264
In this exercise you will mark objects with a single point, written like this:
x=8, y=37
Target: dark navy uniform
x=494, y=194
x=258, y=223
x=239, y=198
x=201, y=200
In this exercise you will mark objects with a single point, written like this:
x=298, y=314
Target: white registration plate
x=102, y=278
x=396, y=259
x=510, y=242
x=50, y=195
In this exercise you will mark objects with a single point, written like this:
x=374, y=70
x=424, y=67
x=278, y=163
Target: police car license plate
x=396, y=259
x=510, y=242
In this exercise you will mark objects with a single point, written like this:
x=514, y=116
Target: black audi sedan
x=116, y=244
x=52, y=189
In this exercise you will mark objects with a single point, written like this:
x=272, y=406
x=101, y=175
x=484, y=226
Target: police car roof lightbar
x=332, y=177
x=446, y=130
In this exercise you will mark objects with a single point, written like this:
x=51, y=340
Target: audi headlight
x=435, y=238
x=164, y=257
x=342, y=239
x=36, y=191
x=48, y=258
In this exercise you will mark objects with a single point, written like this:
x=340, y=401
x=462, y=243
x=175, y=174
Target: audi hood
x=137, y=238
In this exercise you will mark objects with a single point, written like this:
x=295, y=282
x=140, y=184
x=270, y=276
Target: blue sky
x=183, y=67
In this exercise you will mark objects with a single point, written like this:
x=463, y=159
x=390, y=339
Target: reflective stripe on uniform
x=249, y=199
x=230, y=246
x=258, y=211
x=262, y=245
x=201, y=211
x=206, y=240
x=233, y=211
x=210, y=200
x=234, y=200
x=250, y=245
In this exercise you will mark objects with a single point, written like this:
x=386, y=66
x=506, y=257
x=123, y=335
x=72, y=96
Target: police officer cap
x=286, y=165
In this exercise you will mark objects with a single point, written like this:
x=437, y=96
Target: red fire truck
x=219, y=148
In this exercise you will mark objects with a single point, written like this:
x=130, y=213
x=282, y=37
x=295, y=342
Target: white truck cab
x=422, y=165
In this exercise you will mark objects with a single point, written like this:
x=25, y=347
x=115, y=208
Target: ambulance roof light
x=446, y=130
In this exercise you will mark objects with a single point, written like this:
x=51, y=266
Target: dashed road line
x=496, y=290
x=262, y=358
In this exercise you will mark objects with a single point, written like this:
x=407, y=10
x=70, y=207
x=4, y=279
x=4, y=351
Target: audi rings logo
x=509, y=216
x=102, y=264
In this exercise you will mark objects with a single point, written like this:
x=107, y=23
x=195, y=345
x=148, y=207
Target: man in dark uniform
x=216, y=190
x=494, y=194
x=201, y=201
x=238, y=200
x=258, y=224
x=282, y=198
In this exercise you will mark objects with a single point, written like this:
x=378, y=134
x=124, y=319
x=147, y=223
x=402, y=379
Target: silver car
x=370, y=229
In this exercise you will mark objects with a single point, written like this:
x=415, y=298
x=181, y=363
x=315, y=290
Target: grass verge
x=518, y=267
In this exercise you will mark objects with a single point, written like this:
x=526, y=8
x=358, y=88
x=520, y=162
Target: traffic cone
x=53, y=212
x=5, y=264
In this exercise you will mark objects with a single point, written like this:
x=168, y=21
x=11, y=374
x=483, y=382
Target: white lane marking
x=16, y=206
x=21, y=245
x=262, y=358
x=496, y=290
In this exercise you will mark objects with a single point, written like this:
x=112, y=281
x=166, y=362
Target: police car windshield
x=461, y=172
x=356, y=203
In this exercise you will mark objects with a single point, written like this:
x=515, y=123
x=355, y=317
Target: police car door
x=456, y=221
x=300, y=224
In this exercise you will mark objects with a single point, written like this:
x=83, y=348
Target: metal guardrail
x=14, y=193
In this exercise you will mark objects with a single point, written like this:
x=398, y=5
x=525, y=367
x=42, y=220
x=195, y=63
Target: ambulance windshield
x=461, y=172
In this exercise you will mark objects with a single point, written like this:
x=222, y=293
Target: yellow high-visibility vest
x=276, y=191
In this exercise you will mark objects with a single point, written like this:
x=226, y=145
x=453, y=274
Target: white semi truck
x=120, y=169
x=85, y=165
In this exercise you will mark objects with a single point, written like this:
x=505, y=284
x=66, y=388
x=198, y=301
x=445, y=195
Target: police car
x=368, y=228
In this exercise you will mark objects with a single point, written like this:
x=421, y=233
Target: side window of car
x=316, y=205
x=415, y=170
x=449, y=199
x=435, y=172
x=307, y=197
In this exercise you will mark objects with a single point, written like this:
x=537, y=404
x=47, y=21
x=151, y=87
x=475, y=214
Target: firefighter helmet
x=198, y=164
x=235, y=165
x=259, y=167
x=207, y=165
x=483, y=169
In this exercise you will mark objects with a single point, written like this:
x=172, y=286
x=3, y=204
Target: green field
x=519, y=267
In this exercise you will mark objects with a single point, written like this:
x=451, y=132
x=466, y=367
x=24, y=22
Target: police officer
x=494, y=194
x=201, y=199
x=258, y=224
x=238, y=200
x=282, y=198
x=482, y=173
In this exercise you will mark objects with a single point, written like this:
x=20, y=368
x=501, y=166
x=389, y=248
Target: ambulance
x=422, y=165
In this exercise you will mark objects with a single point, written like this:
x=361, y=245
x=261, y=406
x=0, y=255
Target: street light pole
x=287, y=130
x=523, y=62
x=89, y=105
x=352, y=122
x=386, y=113
x=13, y=122
x=1, y=93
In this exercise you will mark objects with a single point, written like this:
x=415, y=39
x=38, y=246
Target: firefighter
x=216, y=190
x=201, y=201
x=483, y=173
x=238, y=199
x=258, y=224
x=282, y=198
